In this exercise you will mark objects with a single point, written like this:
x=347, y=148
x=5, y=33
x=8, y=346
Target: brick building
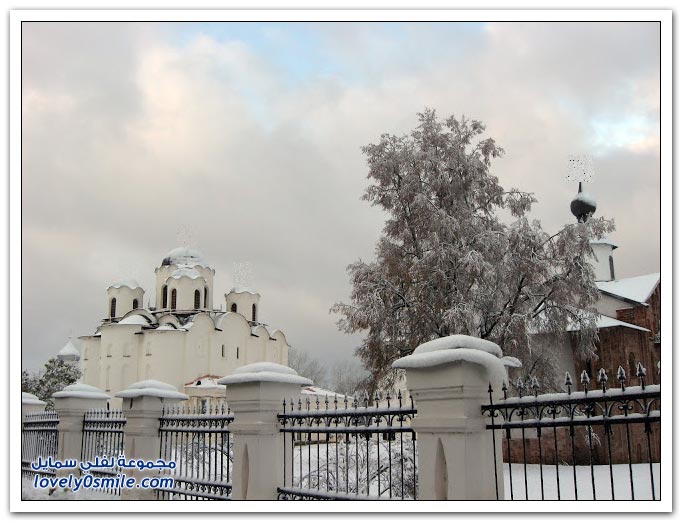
x=629, y=333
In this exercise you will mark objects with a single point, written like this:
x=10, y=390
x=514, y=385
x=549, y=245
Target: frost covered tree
x=307, y=366
x=57, y=376
x=460, y=255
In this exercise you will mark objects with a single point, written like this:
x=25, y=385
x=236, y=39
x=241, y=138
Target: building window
x=197, y=299
x=164, y=296
x=174, y=298
x=223, y=351
x=135, y=303
x=613, y=271
x=237, y=352
x=112, y=308
x=633, y=365
x=233, y=308
x=206, y=297
x=253, y=313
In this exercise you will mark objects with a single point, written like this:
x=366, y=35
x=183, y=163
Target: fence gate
x=39, y=438
x=199, y=442
x=103, y=437
x=589, y=444
x=353, y=452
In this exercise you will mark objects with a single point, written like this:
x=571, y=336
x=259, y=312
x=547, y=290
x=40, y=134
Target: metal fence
x=199, y=442
x=103, y=438
x=353, y=452
x=39, y=438
x=584, y=444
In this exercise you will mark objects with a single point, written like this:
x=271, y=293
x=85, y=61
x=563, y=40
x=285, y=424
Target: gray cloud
x=130, y=132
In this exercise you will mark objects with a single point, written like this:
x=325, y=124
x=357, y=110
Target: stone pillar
x=143, y=404
x=31, y=404
x=255, y=393
x=449, y=382
x=71, y=404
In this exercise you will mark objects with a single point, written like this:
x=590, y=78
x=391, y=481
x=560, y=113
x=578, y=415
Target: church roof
x=185, y=271
x=135, y=319
x=69, y=349
x=184, y=256
x=605, y=321
x=637, y=289
x=604, y=240
x=130, y=283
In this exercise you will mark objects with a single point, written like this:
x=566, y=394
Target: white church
x=182, y=340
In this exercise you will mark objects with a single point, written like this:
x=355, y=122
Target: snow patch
x=495, y=367
x=128, y=283
x=135, y=320
x=185, y=271
x=637, y=289
x=152, y=388
x=81, y=391
x=459, y=341
x=265, y=372
x=30, y=399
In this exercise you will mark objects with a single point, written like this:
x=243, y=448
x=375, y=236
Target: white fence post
x=71, y=404
x=255, y=393
x=143, y=404
x=449, y=386
x=31, y=404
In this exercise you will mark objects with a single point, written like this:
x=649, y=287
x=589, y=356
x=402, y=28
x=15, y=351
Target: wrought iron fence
x=353, y=452
x=39, y=438
x=587, y=444
x=103, y=438
x=199, y=442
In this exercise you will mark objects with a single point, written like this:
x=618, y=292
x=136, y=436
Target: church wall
x=124, y=300
x=610, y=306
x=161, y=356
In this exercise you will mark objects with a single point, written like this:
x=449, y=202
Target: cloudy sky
x=248, y=135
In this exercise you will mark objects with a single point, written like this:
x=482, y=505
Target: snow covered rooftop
x=69, y=349
x=321, y=392
x=605, y=321
x=135, y=319
x=637, y=289
x=605, y=240
x=130, y=283
x=184, y=256
x=185, y=271
x=30, y=399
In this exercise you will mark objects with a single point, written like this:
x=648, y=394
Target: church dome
x=184, y=256
x=583, y=205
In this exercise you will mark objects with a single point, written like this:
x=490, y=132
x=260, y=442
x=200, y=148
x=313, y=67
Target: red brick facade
x=618, y=346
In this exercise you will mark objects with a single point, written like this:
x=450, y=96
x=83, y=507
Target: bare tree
x=308, y=366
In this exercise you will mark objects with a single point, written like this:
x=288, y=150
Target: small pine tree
x=57, y=376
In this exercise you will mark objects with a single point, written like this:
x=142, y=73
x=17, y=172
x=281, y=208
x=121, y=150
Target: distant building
x=183, y=338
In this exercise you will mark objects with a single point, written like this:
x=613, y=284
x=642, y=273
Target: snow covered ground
x=641, y=479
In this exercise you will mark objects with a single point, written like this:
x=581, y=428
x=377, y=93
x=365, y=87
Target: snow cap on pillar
x=152, y=388
x=265, y=372
x=458, y=348
x=28, y=399
x=81, y=391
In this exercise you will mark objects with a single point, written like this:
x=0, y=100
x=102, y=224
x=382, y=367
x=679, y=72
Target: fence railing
x=356, y=451
x=103, y=437
x=584, y=444
x=200, y=444
x=39, y=438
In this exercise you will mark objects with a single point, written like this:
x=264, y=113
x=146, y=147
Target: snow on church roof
x=69, y=349
x=185, y=271
x=130, y=283
x=184, y=256
x=135, y=319
x=637, y=289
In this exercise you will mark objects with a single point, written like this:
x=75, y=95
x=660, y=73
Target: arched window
x=206, y=297
x=253, y=313
x=135, y=303
x=632, y=363
x=197, y=299
x=164, y=298
x=174, y=299
x=223, y=351
x=112, y=308
x=233, y=308
x=237, y=352
x=613, y=271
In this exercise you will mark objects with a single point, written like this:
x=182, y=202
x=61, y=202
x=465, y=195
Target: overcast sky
x=250, y=135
